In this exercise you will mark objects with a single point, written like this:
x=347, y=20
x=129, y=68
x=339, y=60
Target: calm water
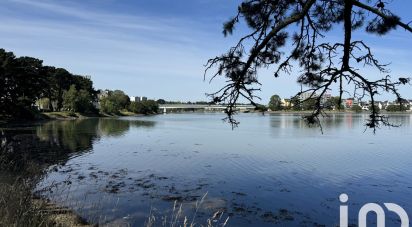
x=271, y=170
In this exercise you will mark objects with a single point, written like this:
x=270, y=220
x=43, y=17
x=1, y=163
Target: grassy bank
x=19, y=207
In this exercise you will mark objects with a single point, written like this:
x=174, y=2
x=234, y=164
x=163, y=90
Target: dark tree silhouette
x=25, y=80
x=305, y=23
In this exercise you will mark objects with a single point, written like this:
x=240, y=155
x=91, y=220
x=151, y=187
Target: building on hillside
x=101, y=94
x=349, y=103
x=286, y=103
x=138, y=98
x=134, y=99
x=364, y=105
x=380, y=105
x=325, y=98
x=385, y=104
x=306, y=95
x=356, y=102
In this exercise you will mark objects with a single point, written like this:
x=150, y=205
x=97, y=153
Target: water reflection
x=55, y=142
x=271, y=170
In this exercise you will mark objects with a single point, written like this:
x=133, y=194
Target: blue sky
x=154, y=48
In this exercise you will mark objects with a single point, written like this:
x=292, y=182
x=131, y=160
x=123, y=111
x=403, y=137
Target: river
x=271, y=170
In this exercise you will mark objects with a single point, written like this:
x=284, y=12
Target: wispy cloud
x=140, y=50
x=108, y=45
x=161, y=28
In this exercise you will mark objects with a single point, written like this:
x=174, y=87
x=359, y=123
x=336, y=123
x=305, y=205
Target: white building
x=137, y=98
x=134, y=98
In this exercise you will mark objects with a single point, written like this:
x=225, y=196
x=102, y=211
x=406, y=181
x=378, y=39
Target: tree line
x=26, y=80
x=26, y=86
x=115, y=102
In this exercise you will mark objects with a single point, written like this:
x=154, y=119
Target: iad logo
x=372, y=207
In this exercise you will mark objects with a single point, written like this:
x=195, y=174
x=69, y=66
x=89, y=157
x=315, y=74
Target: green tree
x=334, y=103
x=84, y=102
x=62, y=80
x=21, y=85
x=70, y=99
x=77, y=101
x=296, y=104
x=84, y=83
x=356, y=108
x=108, y=106
x=275, y=103
x=161, y=101
x=260, y=108
x=121, y=100
x=144, y=107
x=309, y=104
x=7, y=98
x=395, y=108
x=115, y=102
x=286, y=34
x=25, y=81
x=50, y=90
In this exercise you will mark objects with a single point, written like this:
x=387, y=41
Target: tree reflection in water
x=55, y=142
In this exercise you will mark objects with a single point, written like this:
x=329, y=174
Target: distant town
x=305, y=101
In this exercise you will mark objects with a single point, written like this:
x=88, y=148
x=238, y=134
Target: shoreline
x=67, y=116
x=335, y=112
x=59, y=215
x=62, y=116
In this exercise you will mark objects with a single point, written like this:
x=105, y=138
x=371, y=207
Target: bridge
x=201, y=107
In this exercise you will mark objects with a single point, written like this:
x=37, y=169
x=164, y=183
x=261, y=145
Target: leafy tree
x=134, y=107
x=274, y=24
x=309, y=104
x=356, y=108
x=70, y=99
x=260, y=108
x=161, y=101
x=43, y=103
x=84, y=83
x=7, y=99
x=395, y=108
x=296, y=104
x=144, y=107
x=334, y=103
x=62, y=79
x=77, y=101
x=50, y=90
x=108, y=106
x=120, y=99
x=21, y=85
x=84, y=102
x=275, y=103
x=115, y=102
x=25, y=81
